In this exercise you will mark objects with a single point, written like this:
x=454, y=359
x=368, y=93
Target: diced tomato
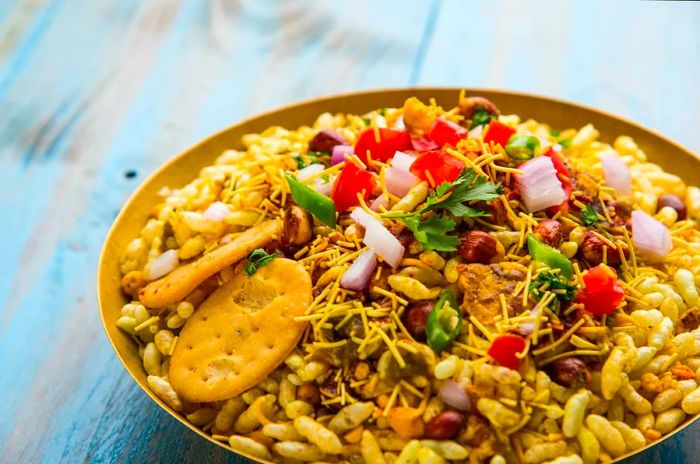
x=424, y=144
x=446, y=132
x=351, y=181
x=436, y=167
x=564, y=177
x=602, y=293
x=390, y=141
x=499, y=133
x=503, y=350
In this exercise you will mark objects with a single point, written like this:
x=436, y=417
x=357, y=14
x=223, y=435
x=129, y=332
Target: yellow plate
x=184, y=167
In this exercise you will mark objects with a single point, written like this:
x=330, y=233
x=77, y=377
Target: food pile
x=421, y=285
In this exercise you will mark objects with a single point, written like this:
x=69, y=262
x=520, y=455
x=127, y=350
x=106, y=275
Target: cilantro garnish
x=554, y=133
x=432, y=232
x=554, y=283
x=382, y=111
x=480, y=117
x=589, y=216
x=258, y=258
x=449, y=197
x=367, y=121
x=566, y=143
x=310, y=157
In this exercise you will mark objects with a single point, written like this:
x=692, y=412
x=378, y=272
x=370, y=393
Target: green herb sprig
x=453, y=198
x=258, y=258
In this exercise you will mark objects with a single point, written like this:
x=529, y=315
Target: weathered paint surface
x=91, y=89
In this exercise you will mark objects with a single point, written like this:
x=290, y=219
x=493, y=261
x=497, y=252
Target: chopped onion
x=399, y=124
x=359, y=273
x=324, y=188
x=476, y=132
x=310, y=170
x=651, y=237
x=617, y=173
x=162, y=265
x=424, y=144
x=399, y=182
x=379, y=203
x=539, y=186
x=339, y=152
x=402, y=161
x=217, y=211
x=526, y=328
x=454, y=395
x=378, y=237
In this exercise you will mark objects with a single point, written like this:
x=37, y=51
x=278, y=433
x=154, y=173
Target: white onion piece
x=399, y=182
x=162, y=265
x=402, y=161
x=217, y=211
x=476, y=132
x=617, y=173
x=359, y=273
x=651, y=237
x=339, y=152
x=526, y=328
x=539, y=186
x=310, y=170
x=399, y=124
x=454, y=395
x=379, y=203
x=324, y=188
x=378, y=237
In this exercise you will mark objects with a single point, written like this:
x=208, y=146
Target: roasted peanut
x=479, y=247
x=550, y=232
x=309, y=394
x=569, y=372
x=296, y=227
x=675, y=202
x=445, y=425
x=416, y=317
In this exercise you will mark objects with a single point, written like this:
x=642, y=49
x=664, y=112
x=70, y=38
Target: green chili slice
x=551, y=257
x=444, y=322
x=522, y=147
x=312, y=201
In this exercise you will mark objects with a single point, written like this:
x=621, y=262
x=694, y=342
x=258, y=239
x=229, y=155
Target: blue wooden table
x=91, y=90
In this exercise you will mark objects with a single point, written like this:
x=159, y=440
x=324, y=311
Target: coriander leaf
x=431, y=233
x=314, y=155
x=564, y=143
x=554, y=133
x=480, y=117
x=382, y=111
x=367, y=121
x=555, y=283
x=589, y=216
x=311, y=157
x=301, y=163
x=257, y=258
x=468, y=187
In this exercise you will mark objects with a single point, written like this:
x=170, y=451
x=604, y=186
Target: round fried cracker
x=241, y=333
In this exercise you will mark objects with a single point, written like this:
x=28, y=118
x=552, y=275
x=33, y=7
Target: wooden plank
x=125, y=85
x=91, y=89
x=612, y=55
